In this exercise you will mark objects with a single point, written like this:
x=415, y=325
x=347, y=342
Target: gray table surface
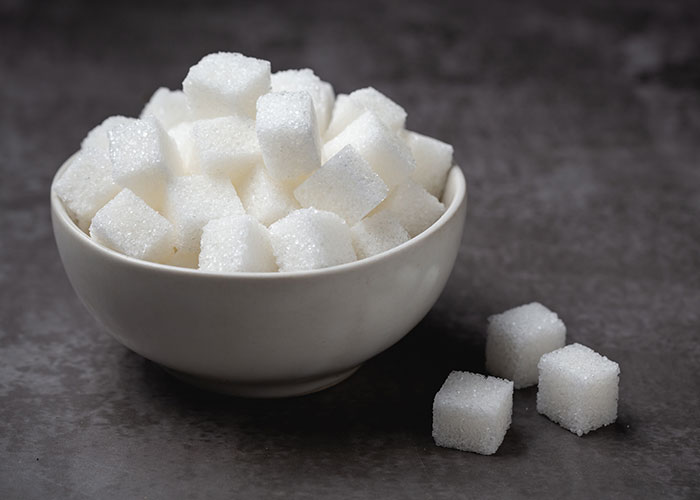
x=578, y=127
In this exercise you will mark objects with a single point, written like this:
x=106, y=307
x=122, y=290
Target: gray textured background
x=578, y=126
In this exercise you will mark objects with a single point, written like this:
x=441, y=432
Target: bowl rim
x=59, y=210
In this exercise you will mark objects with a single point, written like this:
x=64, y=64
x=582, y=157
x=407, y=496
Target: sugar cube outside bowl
x=264, y=334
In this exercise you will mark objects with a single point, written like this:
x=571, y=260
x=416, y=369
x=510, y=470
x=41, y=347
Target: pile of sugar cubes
x=244, y=170
x=577, y=387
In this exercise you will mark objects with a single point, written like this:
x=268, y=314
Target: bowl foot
x=271, y=389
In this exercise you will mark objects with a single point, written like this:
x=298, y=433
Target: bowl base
x=272, y=389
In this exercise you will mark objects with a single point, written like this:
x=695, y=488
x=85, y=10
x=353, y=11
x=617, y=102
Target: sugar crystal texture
x=225, y=146
x=414, y=207
x=321, y=92
x=236, y=244
x=472, y=412
x=311, y=239
x=433, y=161
x=288, y=134
x=517, y=338
x=350, y=107
x=192, y=201
x=181, y=134
x=265, y=198
x=97, y=138
x=167, y=106
x=143, y=158
x=128, y=225
x=376, y=234
x=86, y=185
x=380, y=147
x=226, y=83
x=578, y=388
x=345, y=185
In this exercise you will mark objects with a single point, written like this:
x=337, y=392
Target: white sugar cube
x=517, y=338
x=345, y=185
x=236, y=244
x=311, y=239
x=578, y=388
x=97, y=138
x=288, y=134
x=350, y=107
x=86, y=185
x=433, y=161
x=143, y=158
x=376, y=234
x=167, y=106
x=129, y=226
x=305, y=80
x=265, y=198
x=226, y=146
x=226, y=83
x=384, y=151
x=192, y=201
x=181, y=134
x=472, y=412
x=414, y=207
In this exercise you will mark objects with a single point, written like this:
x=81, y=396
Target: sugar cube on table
x=472, y=412
x=578, y=388
x=265, y=198
x=288, y=134
x=433, y=161
x=97, y=138
x=311, y=239
x=384, y=151
x=321, y=92
x=350, y=107
x=414, y=207
x=192, y=201
x=128, y=225
x=376, y=234
x=167, y=106
x=86, y=185
x=236, y=244
x=226, y=83
x=226, y=146
x=517, y=338
x=143, y=158
x=345, y=185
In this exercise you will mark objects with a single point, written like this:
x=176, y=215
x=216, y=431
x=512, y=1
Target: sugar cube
x=414, y=207
x=192, y=201
x=167, y=106
x=517, y=338
x=265, y=198
x=288, y=134
x=86, y=185
x=225, y=146
x=433, y=161
x=376, y=234
x=226, y=83
x=345, y=185
x=472, y=412
x=236, y=244
x=311, y=239
x=306, y=80
x=143, y=158
x=128, y=225
x=384, y=151
x=181, y=134
x=97, y=138
x=578, y=388
x=368, y=99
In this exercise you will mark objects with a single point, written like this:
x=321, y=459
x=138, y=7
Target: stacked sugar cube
x=249, y=170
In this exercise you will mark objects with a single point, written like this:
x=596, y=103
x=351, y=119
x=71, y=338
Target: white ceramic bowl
x=264, y=334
